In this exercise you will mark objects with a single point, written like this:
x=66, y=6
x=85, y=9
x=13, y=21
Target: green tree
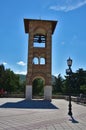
x=83, y=89
x=38, y=87
x=77, y=80
x=21, y=87
x=58, y=84
x=65, y=88
x=9, y=81
x=2, y=76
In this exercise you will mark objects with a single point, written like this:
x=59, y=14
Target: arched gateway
x=39, y=54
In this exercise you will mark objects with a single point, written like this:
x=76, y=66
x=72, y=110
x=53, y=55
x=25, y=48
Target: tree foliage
x=77, y=82
x=58, y=84
x=38, y=87
x=9, y=81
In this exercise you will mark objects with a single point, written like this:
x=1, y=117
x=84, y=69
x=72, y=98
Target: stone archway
x=38, y=84
x=47, y=94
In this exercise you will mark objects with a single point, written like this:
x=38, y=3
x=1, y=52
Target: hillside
x=22, y=77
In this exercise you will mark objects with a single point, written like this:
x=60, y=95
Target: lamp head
x=69, y=62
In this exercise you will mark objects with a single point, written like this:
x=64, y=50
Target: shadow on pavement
x=73, y=120
x=30, y=104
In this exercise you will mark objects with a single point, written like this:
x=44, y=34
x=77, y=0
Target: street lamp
x=69, y=72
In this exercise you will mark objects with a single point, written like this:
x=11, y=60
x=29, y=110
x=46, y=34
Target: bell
x=39, y=39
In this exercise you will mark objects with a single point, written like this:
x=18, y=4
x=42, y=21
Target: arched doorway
x=38, y=87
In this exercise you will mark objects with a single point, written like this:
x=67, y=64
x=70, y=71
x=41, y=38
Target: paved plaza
x=21, y=114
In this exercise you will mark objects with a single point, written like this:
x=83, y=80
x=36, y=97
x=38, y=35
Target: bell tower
x=39, y=62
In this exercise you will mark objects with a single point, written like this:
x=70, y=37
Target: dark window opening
x=39, y=41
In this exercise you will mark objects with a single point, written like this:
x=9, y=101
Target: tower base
x=47, y=92
x=28, y=94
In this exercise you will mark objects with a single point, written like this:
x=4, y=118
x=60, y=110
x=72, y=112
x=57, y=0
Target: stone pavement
x=21, y=114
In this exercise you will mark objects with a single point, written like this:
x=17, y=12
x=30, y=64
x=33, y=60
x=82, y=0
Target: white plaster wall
x=48, y=92
x=28, y=92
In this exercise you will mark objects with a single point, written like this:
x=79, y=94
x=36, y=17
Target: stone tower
x=39, y=54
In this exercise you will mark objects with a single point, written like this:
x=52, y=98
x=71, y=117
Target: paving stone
x=15, y=116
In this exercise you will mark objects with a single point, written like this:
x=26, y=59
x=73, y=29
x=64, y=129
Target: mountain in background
x=23, y=78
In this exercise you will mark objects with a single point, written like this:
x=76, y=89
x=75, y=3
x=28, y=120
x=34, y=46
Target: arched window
x=42, y=61
x=36, y=60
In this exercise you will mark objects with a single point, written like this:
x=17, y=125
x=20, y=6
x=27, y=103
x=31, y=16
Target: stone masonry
x=40, y=31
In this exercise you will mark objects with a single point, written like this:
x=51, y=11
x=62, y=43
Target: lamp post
x=69, y=72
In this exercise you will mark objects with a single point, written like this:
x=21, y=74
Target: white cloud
x=4, y=63
x=21, y=72
x=21, y=63
x=68, y=5
x=74, y=39
x=63, y=43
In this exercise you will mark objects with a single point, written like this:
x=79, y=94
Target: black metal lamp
x=69, y=72
x=69, y=62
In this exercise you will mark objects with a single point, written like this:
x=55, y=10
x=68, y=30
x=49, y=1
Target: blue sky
x=69, y=38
